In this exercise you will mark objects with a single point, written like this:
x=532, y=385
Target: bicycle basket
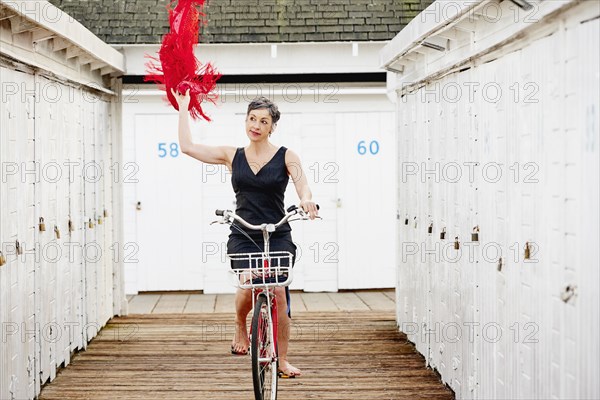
x=257, y=270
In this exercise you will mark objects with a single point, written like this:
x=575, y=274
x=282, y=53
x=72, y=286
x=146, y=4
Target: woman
x=259, y=174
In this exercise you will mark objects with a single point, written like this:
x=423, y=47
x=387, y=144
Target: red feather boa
x=176, y=66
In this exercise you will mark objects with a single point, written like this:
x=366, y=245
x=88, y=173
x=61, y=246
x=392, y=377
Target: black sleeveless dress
x=260, y=199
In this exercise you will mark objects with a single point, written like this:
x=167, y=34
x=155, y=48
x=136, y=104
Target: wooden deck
x=347, y=345
x=169, y=303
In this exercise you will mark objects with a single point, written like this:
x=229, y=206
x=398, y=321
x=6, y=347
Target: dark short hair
x=262, y=102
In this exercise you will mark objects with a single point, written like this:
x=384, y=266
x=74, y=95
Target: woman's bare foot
x=240, y=342
x=288, y=369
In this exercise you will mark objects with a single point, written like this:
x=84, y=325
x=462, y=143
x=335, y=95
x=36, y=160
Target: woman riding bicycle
x=260, y=173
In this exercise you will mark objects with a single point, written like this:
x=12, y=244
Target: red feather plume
x=177, y=67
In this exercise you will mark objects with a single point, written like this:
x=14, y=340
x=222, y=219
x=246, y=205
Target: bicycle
x=264, y=271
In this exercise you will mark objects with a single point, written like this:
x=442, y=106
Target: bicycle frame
x=267, y=289
x=262, y=280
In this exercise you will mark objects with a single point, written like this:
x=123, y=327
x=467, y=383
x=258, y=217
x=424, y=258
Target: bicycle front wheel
x=264, y=354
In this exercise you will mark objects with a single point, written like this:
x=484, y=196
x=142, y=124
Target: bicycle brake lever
x=304, y=215
x=304, y=218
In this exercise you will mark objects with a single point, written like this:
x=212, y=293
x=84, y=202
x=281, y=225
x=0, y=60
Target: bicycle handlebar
x=291, y=211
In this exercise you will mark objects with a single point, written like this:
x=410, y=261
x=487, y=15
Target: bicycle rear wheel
x=264, y=354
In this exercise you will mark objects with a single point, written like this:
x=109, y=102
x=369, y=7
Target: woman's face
x=259, y=124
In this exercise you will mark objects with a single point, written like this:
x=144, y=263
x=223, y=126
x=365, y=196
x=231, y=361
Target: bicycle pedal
x=283, y=375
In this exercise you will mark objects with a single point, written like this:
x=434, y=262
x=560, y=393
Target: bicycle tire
x=264, y=374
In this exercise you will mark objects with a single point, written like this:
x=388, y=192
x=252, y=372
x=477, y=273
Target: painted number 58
x=163, y=152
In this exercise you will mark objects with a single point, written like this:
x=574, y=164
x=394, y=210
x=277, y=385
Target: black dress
x=260, y=199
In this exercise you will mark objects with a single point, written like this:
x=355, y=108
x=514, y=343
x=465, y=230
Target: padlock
x=527, y=251
x=138, y=206
x=2, y=259
x=57, y=232
x=443, y=233
x=99, y=220
x=475, y=234
x=70, y=224
x=42, y=224
x=18, y=248
x=456, y=244
x=568, y=293
x=105, y=213
x=406, y=221
x=500, y=264
x=430, y=229
x=90, y=224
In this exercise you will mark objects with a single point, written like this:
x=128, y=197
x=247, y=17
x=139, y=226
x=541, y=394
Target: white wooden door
x=74, y=148
x=367, y=212
x=226, y=128
x=311, y=135
x=58, y=177
x=20, y=345
x=169, y=220
x=90, y=255
x=46, y=155
x=313, y=139
x=104, y=264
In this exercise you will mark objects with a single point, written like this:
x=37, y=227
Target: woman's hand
x=183, y=100
x=310, y=207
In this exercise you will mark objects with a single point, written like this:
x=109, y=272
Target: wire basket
x=254, y=270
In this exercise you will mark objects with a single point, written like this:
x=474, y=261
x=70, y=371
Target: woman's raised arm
x=207, y=154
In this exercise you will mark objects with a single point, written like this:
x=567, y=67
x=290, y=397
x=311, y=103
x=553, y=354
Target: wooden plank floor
x=356, y=354
x=169, y=303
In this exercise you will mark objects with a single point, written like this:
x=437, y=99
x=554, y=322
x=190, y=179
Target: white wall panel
x=541, y=134
x=589, y=119
x=43, y=297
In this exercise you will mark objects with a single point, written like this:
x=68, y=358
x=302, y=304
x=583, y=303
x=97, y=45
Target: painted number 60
x=373, y=147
